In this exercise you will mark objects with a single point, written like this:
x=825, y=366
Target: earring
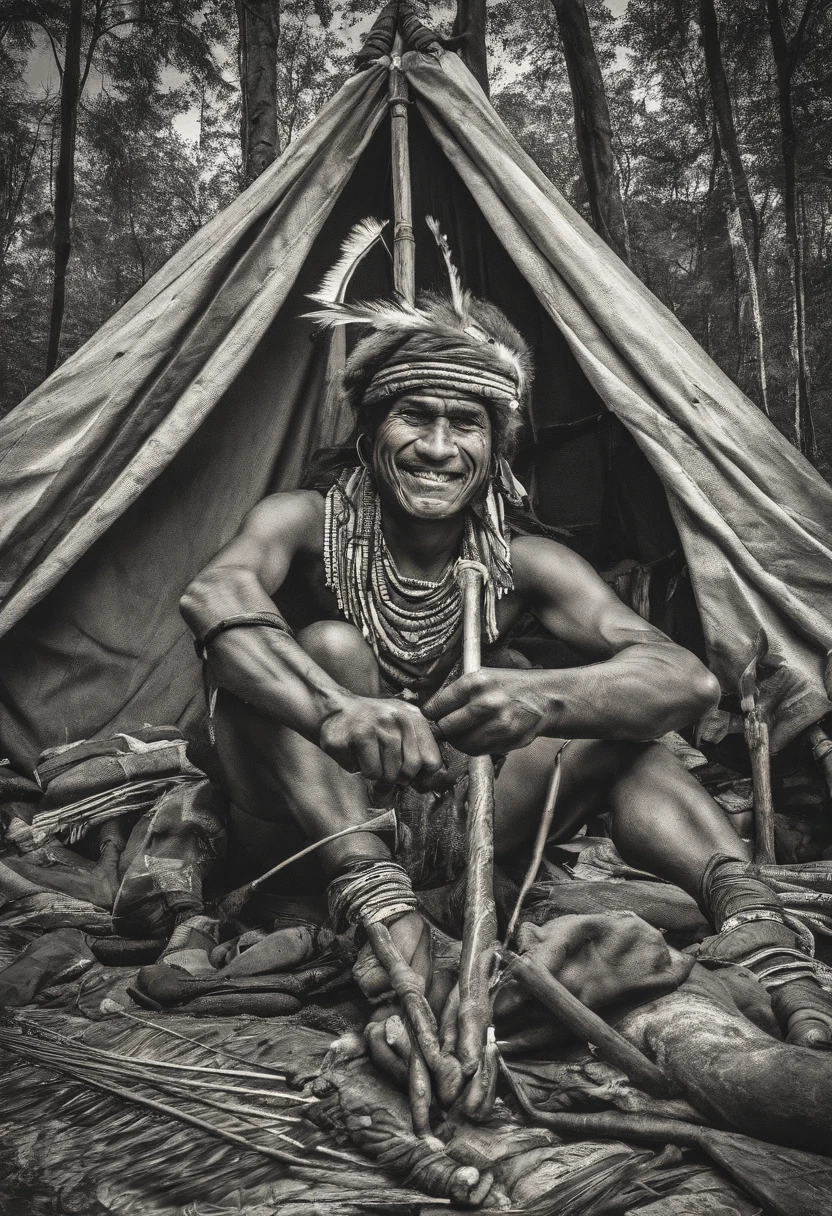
x=361, y=459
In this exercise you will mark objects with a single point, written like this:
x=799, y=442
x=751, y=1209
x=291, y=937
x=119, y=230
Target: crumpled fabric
x=54, y=958
x=56, y=868
x=91, y=766
x=602, y=960
x=173, y=853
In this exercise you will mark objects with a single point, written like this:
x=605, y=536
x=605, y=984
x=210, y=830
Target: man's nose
x=436, y=442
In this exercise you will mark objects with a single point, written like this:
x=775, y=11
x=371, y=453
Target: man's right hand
x=383, y=739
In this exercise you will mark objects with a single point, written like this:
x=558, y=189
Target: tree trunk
x=593, y=128
x=259, y=24
x=724, y=114
x=471, y=19
x=65, y=178
x=785, y=54
x=743, y=219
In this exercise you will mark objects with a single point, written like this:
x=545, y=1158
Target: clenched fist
x=492, y=710
x=384, y=739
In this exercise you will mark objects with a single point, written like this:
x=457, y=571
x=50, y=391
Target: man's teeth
x=428, y=475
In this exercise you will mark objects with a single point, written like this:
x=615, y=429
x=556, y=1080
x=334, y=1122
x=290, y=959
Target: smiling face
x=431, y=454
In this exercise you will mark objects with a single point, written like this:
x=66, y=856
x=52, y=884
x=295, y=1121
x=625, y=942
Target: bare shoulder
x=293, y=519
x=540, y=564
x=573, y=602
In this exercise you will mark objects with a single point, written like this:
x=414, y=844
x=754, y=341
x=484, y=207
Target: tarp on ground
x=126, y=470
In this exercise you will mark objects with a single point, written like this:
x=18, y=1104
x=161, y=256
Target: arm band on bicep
x=267, y=620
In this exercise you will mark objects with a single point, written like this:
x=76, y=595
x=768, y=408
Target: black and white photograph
x=415, y=607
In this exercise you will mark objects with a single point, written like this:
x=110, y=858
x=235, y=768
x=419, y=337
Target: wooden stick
x=539, y=844
x=613, y=1124
x=479, y=935
x=756, y=737
x=177, y=1065
x=146, y=1076
x=404, y=244
x=612, y=1047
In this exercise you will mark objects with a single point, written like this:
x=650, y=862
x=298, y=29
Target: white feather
x=357, y=245
x=379, y=314
x=459, y=296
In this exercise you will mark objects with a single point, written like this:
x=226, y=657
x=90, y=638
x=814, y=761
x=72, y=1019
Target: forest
x=695, y=135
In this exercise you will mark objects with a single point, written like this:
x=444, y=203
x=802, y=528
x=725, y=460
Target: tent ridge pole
x=404, y=242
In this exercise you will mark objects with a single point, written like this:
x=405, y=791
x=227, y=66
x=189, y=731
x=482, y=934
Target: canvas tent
x=126, y=470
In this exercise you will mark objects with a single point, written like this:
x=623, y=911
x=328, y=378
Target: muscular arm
x=263, y=666
x=383, y=738
x=640, y=685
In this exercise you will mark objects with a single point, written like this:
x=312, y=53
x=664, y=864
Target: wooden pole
x=479, y=937
x=543, y=830
x=756, y=737
x=404, y=243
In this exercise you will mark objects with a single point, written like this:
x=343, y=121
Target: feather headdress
x=454, y=343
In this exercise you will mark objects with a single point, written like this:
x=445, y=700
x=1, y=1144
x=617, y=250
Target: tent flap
x=138, y=458
x=755, y=560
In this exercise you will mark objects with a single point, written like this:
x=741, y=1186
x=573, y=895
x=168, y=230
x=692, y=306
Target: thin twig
x=539, y=844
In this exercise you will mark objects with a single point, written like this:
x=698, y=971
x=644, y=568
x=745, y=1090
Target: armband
x=371, y=892
x=246, y=620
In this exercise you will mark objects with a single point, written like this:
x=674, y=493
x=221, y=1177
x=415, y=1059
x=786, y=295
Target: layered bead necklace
x=409, y=623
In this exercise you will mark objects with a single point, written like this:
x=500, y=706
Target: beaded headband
x=399, y=378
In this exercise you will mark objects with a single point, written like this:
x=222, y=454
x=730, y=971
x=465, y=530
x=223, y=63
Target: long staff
x=479, y=935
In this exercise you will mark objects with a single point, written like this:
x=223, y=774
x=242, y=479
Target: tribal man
x=359, y=692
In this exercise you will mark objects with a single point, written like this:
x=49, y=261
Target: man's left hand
x=492, y=710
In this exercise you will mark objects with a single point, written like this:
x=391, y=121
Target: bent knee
x=343, y=653
x=648, y=759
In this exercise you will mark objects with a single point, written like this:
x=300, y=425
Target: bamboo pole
x=404, y=242
x=479, y=937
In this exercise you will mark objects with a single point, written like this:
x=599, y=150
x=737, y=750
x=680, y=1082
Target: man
x=367, y=688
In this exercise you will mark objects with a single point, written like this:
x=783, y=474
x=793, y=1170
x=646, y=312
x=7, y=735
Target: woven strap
x=400, y=378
